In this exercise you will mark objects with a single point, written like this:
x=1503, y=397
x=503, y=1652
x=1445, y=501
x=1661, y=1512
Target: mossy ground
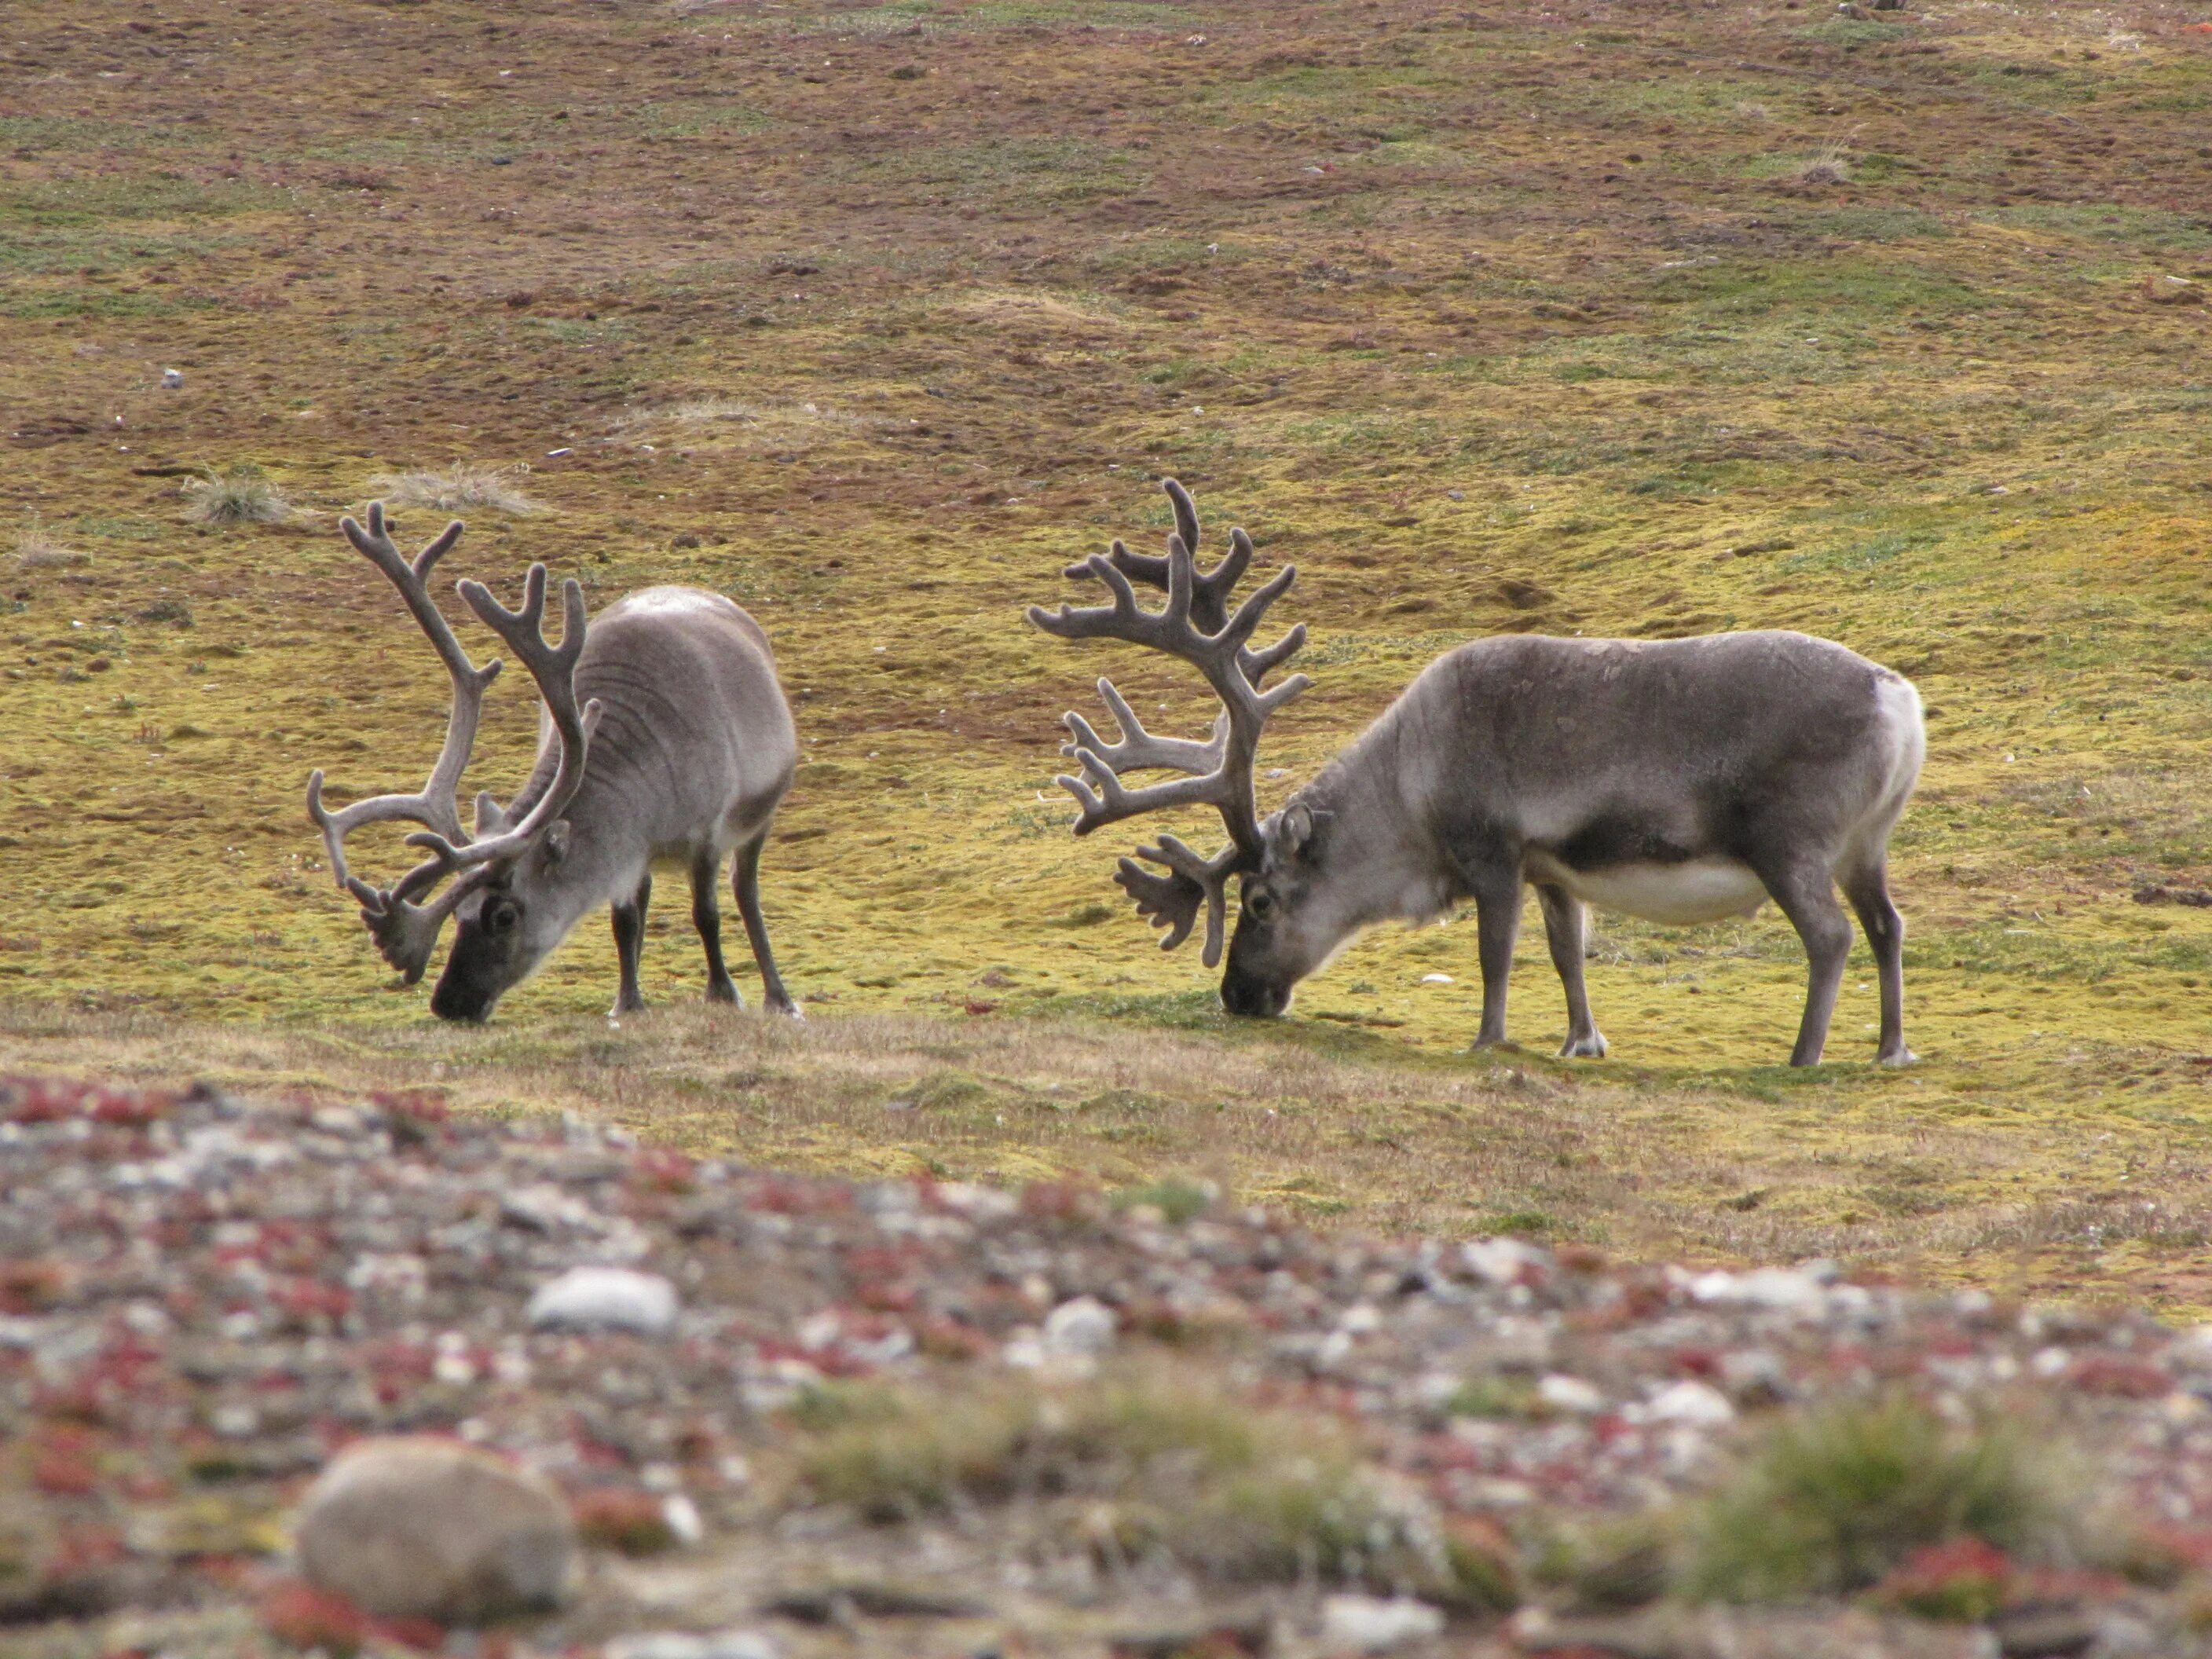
x=873, y=317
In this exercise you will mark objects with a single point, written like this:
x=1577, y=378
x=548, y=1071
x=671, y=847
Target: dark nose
x=459, y=1004
x=1249, y=998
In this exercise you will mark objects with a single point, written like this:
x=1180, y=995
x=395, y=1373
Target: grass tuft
x=1178, y=1200
x=462, y=487
x=1142, y=1462
x=241, y=493
x=1833, y=1501
x=1829, y=165
x=37, y=548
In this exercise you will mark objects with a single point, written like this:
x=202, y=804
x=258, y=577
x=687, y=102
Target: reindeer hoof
x=1586, y=1048
x=1899, y=1055
x=788, y=1008
x=724, y=990
x=632, y=1005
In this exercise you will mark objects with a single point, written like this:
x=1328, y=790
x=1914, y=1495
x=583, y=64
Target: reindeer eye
x=1261, y=904
x=502, y=916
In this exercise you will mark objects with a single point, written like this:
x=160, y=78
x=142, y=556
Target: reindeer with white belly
x=1681, y=781
x=664, y=735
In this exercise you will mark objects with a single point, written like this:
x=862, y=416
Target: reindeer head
x=1275, y=945
x=495, y=869
x=505, y=922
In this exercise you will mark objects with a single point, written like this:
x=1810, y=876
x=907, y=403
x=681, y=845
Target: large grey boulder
x=410, y=1527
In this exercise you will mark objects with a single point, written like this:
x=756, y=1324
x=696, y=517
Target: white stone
x=1082, y=1328
x=1501, y=1261
x=682, y=1515
x=1436, y=979
x=408, y=1527
x=1780, y=1288
x=605, y=1298
x=1570, y=1394
x=1368, y=1624
x=1696, y=1404
x=173, y=378
x=680, y=1644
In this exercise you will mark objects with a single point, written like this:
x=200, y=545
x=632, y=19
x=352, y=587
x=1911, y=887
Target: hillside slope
x=1641, y=319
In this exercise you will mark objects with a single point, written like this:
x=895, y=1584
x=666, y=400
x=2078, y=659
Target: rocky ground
x=811, y=1416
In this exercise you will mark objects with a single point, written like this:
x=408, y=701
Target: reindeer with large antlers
x=664, y=735
x=1681, y=781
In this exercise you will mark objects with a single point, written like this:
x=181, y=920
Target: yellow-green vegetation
x=1836, y=1498
x=1143, y=1463
x=1665, y=319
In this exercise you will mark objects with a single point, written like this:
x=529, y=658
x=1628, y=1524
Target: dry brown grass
x=37, y=548
x=1337, y=1127
x=464, y=487
x=1829, y=165
x=236, y=495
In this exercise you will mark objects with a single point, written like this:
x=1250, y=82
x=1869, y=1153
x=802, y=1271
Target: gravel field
x=208, y=1297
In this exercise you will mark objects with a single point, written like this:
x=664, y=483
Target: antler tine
x=1171, y=902
x=554, y=668
x=1138, y=750
x=1186, y=513
x=434, y=805
x=1210, y=592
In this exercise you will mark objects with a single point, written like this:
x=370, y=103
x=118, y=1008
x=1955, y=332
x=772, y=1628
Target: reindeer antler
x=406, y=932
x=554, y=668
x=1194, y=625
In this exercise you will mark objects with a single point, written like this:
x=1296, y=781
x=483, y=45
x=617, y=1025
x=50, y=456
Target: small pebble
x=1368, y=1624
x=1081, y=1328
x=1696, y=1404
x=681, y=1645
x=1570, y=1394
x=605, y=1298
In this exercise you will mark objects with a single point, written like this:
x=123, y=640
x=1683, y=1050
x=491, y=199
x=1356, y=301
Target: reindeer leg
x=1806, y=894
x=1566, y=924
x=746, y=879
x=630, y=941
x=707, y=917
x=1868, y=888
x=1497, y=924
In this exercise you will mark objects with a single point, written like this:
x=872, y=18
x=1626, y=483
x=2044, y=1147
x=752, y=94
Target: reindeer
x=681, y=749
x=1681, y=781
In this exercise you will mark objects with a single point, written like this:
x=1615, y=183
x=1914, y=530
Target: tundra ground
x=1643, y=320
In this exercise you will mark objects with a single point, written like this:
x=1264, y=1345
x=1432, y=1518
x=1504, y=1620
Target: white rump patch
x=1697, y=890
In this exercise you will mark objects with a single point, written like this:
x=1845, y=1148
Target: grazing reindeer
x=683, y=749
x=1681, y=781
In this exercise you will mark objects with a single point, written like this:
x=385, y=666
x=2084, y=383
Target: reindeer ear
x=490, y=819
x=1298, y=828
x=555, y=845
